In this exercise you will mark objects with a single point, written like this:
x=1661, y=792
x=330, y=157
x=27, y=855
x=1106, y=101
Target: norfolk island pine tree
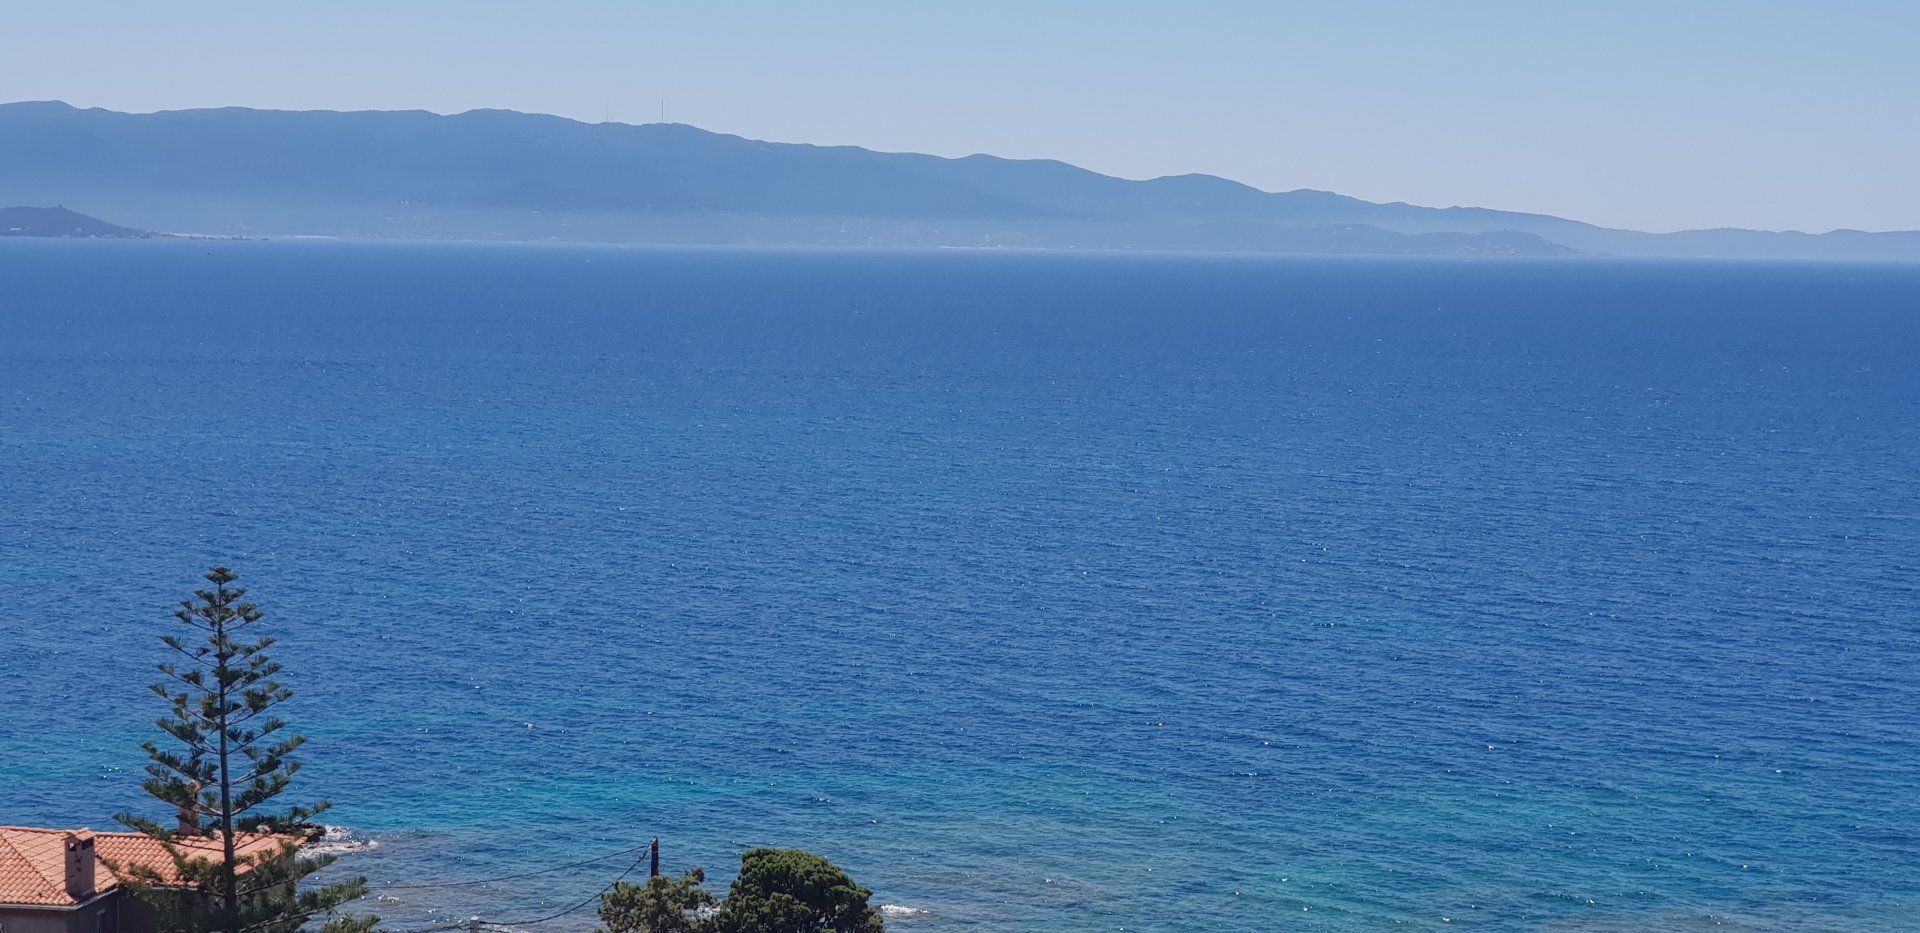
x=233, y=758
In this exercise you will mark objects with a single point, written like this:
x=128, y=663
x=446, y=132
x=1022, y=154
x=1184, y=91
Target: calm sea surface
x=1042, y=592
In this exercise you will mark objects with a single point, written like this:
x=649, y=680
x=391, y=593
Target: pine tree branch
x=193, y=682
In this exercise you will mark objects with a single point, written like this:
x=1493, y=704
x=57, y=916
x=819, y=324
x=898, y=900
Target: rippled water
x=1043, y=592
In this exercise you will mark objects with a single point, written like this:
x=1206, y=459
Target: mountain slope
x=492, y=174
x=60, y=222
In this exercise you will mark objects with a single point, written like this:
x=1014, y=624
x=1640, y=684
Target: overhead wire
x=594, y=897
x=526, y=874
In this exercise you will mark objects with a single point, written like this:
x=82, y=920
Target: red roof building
x=59, y=881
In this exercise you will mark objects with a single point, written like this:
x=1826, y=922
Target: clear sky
x=1657, y=115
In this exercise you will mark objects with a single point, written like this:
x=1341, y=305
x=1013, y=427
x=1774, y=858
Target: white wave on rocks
x=902, y=912
x=335, y=840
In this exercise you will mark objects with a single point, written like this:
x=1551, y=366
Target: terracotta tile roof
x=33, y=866
x=138, y=849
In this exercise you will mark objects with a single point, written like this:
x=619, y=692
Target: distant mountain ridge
x=492, y=174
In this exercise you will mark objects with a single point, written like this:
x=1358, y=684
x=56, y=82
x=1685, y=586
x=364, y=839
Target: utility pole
x=655, y=846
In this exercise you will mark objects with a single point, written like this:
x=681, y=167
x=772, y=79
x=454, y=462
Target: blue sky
x=1661, y=116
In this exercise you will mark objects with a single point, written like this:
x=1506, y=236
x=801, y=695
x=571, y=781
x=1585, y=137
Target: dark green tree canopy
x=790, y=891
x=662, y=905
x=778, y=891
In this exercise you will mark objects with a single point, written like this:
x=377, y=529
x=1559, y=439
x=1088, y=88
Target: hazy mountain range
x=501, y=175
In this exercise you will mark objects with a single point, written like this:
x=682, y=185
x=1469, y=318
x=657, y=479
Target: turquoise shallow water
x=1043, y=592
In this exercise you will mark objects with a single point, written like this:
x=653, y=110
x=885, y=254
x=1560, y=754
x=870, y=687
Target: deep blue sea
x=1043, y=592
